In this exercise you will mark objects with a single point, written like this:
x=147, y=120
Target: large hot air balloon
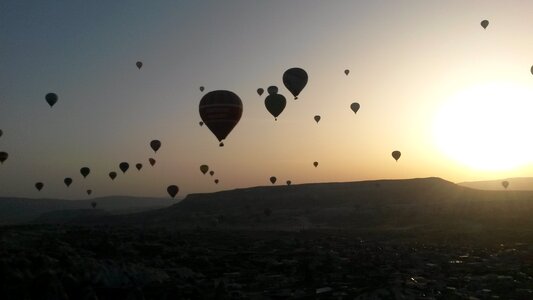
x=396, y=155
x=289, y=182
x=273, y=179
x=124, y=166
x=355, y=107
x=152, y=161
x=139, y=166
x=317, y=118
x=112, y=175
x=51, y=98
x=216, y=181
x=85, y=171
x=260, y=91
x=89, y=192
x=346, y=72
x=3, y=156
x=272, y=90
x=155, y=145
x=172, y=190
x=211, y=173
x=139, y=64
x=67, y=181
x=39, y=186
x=204, y=168
x=295, y=80
x=484, y=24
x=315, y=164
x=505, y=184
x=275, y=104
x=221, y=111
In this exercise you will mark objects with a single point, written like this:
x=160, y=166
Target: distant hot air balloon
x=152, y=161
x=172, y=190
x=85, y=171
x=275, y=104
x=346, y=72
x=317, y=118
x=216, y=181
x=220, y=111
x=505, y=184
x=211, y=173
x=139, y=64
x=89, y=192
x=1, y=132
x=124, y=166
x=139, y=166
x=112, y=175
x=202, y=89
x=531, y=73
x=204, y=168
x=295, y=80
x=67, y=181
x=273, y=179
x=93, y=204
x=272, y=90
x=201, y=123
x=484, y=24
x=355, y=107
x=315, y=164
x=39, y=186
x=155, y=145
x=289, y=182
x=51, y=98
x=3, y=157
x=396, y=155
x=260, y=91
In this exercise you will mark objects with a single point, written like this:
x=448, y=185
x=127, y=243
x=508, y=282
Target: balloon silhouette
x=216, y=181
x=155, y=145
x=355, y=107
x=505, y=184
x=152, y=161
x=112, y=175
x=220, y=111
x=124, y=166
x=201, y=123
x=315, y=164
x=89, y=192
x=67, y=181
x=289, y=182
x=139, y=64
x=51, y=98
x=272, y=90
x=211, y=173
x=346, y=72
x=396, y=155
x=275, y=104
x=484, y=24
x=39, y=186
x=260, y=91
x=204, y=168
x=139, y=166
x=93, y=204
x=531, y=73
x=202, y=89
x=172, y=190
x=85, y=171
x=317, y=118
x=295, y=80
x=1, y=132
x=273, y=179
x=3, y=157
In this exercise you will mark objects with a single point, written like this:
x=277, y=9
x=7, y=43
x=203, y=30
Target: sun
x=487, y=127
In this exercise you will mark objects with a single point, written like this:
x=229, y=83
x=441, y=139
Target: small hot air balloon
x=216, y=181
x=272, y=90
x=204, y=168
x=1, y=132
x=289, y=182
x=202, y=89
x=89, y=192
x=346, y=72
x=155, y=145
x=275, y=104
x=67, y=181
x=51, y=98
x=85, y=171
x=505, y=184
x=260, y=91
x=295, y=80
x=139, y=166
x=201, y=123
x=531, y=73
x=3, y=157
x=39, y=186
x=172, y=190
x=112, y=175
x=220, y=111
x=124, y=166
x=315, y=164
x=93, y=204
x=273, y=179
x=317, y=118
x=139, y=64
x=396, y=155
x=211, y=173
x=355, y=107
x=152, y=161
x=484, y=24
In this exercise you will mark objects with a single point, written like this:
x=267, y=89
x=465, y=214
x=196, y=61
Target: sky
x=431, y=82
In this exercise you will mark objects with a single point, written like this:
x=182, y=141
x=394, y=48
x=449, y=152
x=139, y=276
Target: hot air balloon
x=172, y=190
x=201, y=123
x=204, y=168
x=139, y=166
x=139, y=64
x=295, y=80
x=216, y=181
x=275, y=104
x=112, y=175
x=202, y=89
x=505, y=184
x=1, y=132
x=289, y=182
x=273, y=179
x=531, y=73
x=152, y=161
x=346, y=72
x=272, y=90
x=484, y=24
x=3, y=157
x=89, y=192
x=67, y=181
x=51, y=98
x=39, y=186
x=155, y=145
x=260, y=91
x=93, y=204
x=315, y=164
x=220, y=111
x=85, y=171
x=396, y=155
x=211, y=173
x=124, y=166
x=317, y=118
x=355, y=107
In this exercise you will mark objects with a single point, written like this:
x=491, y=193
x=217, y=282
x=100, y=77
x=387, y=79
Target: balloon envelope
x=39, y=186
x=273, y=179
x=152, y=161
x=139, y=166
x=51, y=98
x=124, y=166
x=289, y=182
x=211, y=173
x=202, y=89
x=355, y=107
x=216, y=181
x=139, y=64
x=1, y=132
x=275, y=104
x=260, y=91
x=89, y=192
x=346, y=72
x=85, y=171
x=155, y=145
x=396, y=155
x=315, y=164
x=505, y=184
x=3, y=156
x=68, y=181
x=220, y=111
x=201, y=123
x=112, y=175
x=204, y=168
x=295, y=80
x=484, y=24
x=272, y=90
x=172, y=190
x=317, y=118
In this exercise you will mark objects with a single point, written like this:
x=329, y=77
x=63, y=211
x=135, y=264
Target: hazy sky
x=409, y=61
